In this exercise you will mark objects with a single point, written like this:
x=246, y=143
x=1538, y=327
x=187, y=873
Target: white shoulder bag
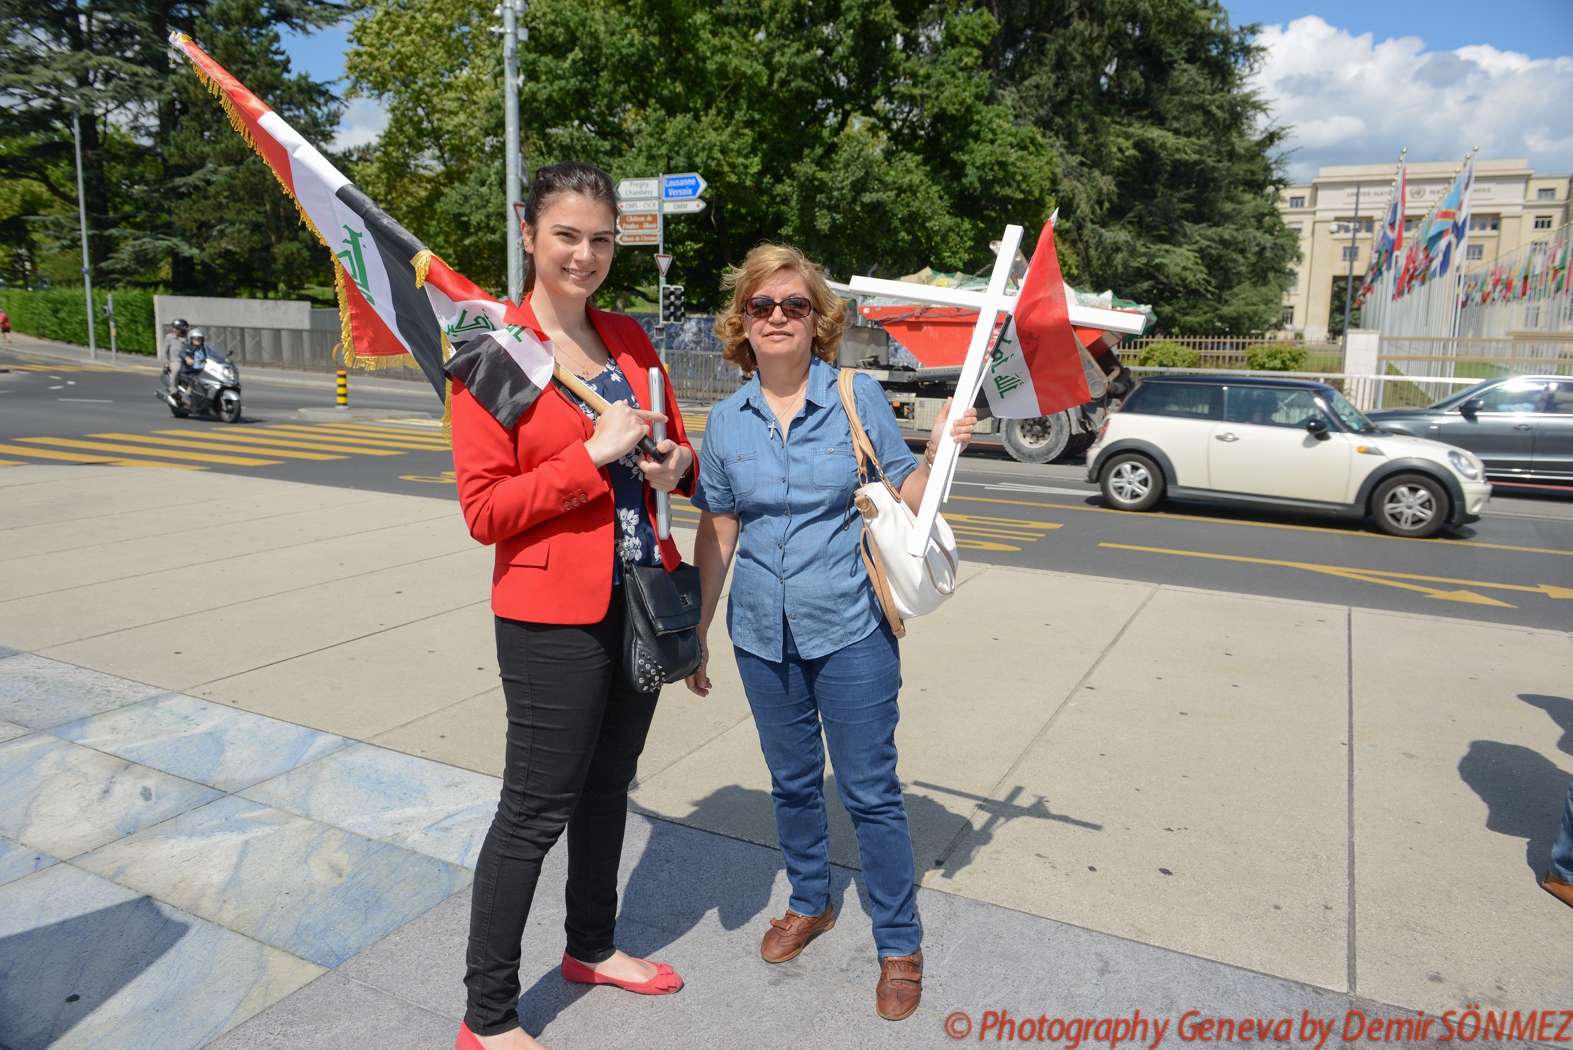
x=907, y=586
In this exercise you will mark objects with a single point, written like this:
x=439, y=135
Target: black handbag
x=661, y=635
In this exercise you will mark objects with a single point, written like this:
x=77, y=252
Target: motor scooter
x=214, y=388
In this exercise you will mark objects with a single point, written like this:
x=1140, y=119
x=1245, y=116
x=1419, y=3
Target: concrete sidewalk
x=1142, y=782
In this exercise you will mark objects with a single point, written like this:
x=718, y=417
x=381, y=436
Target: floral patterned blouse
x=636, y=541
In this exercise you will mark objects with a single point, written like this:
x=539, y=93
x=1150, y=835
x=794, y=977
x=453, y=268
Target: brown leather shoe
x=900, y=986
x=1562, y=891
x=788, y=935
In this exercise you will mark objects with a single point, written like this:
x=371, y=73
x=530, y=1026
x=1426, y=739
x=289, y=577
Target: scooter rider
x=172, y=350
x=193, y=355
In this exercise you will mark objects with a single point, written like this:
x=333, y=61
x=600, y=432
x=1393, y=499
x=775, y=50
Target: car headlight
x=1465, y=465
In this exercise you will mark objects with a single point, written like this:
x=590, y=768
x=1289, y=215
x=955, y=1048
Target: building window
x=1294, y=281
x=1485, y=222
x=1475, y=251
x=1351, y=253
x=1542, y=222
x=1409, y=225
x=1286, y=322
x=1546, y=193
x=1296, y=202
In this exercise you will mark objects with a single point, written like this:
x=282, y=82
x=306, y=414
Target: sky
x=1356, y=79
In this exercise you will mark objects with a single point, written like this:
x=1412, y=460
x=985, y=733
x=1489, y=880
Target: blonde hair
x=761, y=264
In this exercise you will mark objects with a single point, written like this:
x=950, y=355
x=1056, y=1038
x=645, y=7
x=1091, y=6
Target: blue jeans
x=1562, y=852
x=850, y=694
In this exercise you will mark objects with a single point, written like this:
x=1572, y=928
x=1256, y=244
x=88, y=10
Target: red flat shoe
x=665, y=982
x=466, y=1040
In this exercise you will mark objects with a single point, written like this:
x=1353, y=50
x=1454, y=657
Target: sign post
x=642, y=206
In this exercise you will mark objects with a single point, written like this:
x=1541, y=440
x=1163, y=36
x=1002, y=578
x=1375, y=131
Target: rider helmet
x=196, y=333
x=179, y=324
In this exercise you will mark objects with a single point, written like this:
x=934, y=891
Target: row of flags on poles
x=1437, y=244
x=398, y=302
x=1534, y=273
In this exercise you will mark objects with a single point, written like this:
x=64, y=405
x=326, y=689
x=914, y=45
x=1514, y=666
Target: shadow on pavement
x=1560, y=708
x=54, y=976
x=1524, y=790
x=997, y=813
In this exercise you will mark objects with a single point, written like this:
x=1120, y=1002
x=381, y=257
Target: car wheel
x=1410, y=505
x=1037, y=440
x=1131, y=481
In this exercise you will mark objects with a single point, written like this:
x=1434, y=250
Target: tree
x=863, y=130
x=1169, y=183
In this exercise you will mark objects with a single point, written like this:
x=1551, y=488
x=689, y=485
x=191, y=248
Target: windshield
x=1349, y=414
x=1455, y=399
x=215, y=354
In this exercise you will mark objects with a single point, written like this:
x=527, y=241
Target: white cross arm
x=1122, y=321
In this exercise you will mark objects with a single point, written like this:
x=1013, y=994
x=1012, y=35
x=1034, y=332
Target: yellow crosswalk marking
x=253, y=441
x=204, y=441
x=286, y=430
x=10, y=463
x=198, y=457
x=421, y=440
x=383, y=430
x=77, y=457
x=693, y=423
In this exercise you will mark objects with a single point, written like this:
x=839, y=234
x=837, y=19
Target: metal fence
x=1232, y=353
x=288, y=348
x=1526, y=353
x=1367, y=393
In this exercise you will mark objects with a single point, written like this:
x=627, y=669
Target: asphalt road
x=1514, y=566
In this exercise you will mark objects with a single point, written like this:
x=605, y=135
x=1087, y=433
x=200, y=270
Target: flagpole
x=510, y=76
x=81, y=214
x=1349, y=281
x=944, y=469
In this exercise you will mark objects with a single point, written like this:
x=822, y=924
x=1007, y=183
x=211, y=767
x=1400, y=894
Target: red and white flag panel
x=1035, y=367
x=381, y=268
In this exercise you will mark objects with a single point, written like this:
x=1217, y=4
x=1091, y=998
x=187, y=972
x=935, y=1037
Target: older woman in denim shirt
x=815, y=653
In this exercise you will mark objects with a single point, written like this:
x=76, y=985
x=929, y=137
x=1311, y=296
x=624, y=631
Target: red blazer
x=534, y=492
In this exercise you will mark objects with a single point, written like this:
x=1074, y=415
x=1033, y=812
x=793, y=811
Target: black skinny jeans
x=575, y=731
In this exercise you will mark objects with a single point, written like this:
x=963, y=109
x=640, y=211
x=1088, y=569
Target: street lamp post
x=1349, y=281
x=510, y=59
x=81, y=214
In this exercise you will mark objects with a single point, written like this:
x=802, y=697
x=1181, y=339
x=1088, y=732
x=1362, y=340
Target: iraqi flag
x=1035, y=368
x=396, y=299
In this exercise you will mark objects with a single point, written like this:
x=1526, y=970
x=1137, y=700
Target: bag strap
x=876, y=574
x=860, y=442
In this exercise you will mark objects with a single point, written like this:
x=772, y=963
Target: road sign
x=639, y=220
x=685, y=186
x=651, y=205
x=664, y=261
x=639, y=237
x=682, y=207
x=640, y=189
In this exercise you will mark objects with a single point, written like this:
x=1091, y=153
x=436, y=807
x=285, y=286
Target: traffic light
x=671, y=304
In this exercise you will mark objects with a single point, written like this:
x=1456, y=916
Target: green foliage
x=61, y=313
x=1168, y=355
x=866, y=131
x=1278, y=357
x=1169, y=191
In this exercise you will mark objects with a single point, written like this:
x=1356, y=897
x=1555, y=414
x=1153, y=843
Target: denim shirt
x=797, y=548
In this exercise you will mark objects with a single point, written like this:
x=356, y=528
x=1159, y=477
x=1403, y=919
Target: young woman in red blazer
x=564, y=497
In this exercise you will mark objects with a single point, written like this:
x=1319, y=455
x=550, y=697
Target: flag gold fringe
x=422, y=263
x=350, y=357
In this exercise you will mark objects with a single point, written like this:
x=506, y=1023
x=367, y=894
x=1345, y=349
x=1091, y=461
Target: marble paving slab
x=39, y=693
x=10, y=731
x=438, y=810
x=88, y=964
x=202, y=741
x=18, y=861
x=66, y=799
x=314, y=890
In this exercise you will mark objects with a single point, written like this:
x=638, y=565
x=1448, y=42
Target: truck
x=915, y=352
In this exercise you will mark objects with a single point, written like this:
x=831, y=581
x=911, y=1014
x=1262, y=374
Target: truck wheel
x=1037, y=440
x=1409, y=505
x=1131, y=481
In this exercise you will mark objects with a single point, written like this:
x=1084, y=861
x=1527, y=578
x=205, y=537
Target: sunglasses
x=762, y=307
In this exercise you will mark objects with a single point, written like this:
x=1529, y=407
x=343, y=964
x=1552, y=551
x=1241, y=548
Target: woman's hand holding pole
x=912, y=489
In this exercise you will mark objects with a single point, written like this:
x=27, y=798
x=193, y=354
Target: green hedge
x=1168, y=355
x=1279, y=357
x=59, y=313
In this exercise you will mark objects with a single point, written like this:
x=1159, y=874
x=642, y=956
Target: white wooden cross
x=989, y=304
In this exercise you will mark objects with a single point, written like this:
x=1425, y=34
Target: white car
x=1287, y=444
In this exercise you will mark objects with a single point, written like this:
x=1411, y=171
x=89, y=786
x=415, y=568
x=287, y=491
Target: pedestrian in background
x=5, y=325
x=819, y=662
x=562, y=499
x=172, y=351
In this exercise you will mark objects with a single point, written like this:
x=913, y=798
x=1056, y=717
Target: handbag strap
x=860, y=442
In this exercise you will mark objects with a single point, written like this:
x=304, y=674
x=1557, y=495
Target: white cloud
x=1353, y=101
x=363, y=120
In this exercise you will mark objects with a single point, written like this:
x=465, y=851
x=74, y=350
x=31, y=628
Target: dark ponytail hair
x=557, y=180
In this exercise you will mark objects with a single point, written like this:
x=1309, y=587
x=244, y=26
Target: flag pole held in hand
x=597, y=403
x=663, y=500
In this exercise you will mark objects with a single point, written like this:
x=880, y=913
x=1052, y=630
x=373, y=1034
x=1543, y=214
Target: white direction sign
x=638, y=237
x=650, y=205
x=688, y=207
x=664, y=261
x=685, y=186
x=640, y=189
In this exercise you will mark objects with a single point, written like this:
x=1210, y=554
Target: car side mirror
x=1470, y=407
x=1317, y=429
